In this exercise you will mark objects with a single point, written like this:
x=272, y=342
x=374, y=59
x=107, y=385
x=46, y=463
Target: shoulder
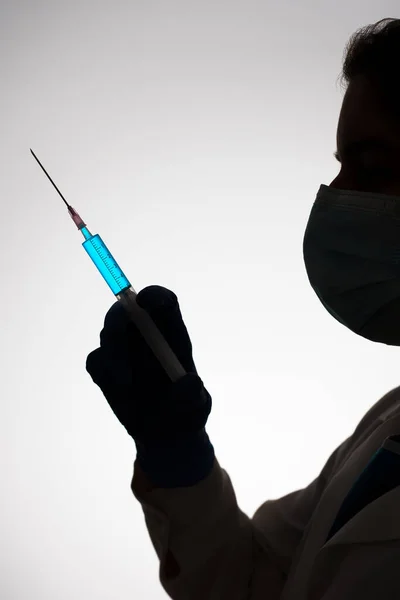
x=386, y=407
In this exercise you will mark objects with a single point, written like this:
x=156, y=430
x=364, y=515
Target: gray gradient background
x=193, y=136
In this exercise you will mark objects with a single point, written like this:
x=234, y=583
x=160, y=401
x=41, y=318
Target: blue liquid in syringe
x=105, y=262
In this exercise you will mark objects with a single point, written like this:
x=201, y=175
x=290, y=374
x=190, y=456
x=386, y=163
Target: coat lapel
x=373, y=523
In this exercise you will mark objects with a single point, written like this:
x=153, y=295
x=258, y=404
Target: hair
x=373, y=51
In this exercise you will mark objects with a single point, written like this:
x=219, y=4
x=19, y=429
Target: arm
x=208, y=548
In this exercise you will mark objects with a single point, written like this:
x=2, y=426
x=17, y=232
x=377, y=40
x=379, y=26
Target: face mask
x=351, y=252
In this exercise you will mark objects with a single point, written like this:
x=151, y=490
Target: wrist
x=180, y=463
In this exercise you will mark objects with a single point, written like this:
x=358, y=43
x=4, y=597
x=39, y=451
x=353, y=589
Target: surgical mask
x=351, y=252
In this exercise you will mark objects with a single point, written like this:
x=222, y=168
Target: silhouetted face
x=368, y=143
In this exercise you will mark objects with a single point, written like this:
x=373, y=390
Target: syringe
x=122, y=289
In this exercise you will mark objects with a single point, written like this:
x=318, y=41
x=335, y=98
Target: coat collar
x=376, y=522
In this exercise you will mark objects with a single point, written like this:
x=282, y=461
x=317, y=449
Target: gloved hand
x=165, y=419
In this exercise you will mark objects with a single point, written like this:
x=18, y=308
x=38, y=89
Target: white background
x=193, y=136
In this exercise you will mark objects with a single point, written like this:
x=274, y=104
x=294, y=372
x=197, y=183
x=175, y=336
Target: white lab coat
x=210, y=550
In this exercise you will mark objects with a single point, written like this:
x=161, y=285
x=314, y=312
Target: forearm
x=206, y=545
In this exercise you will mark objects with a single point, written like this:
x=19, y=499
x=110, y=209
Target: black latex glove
x=159, y=415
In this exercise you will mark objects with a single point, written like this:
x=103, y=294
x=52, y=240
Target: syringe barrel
x=105, y=262
x=152, y=335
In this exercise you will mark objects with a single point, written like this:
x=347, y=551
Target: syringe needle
x=68, y=206
x=73, y=214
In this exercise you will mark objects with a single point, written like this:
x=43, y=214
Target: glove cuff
x=179, y=464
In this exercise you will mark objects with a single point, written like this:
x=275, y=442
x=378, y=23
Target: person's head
x=368, y=133
x=352, y=240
